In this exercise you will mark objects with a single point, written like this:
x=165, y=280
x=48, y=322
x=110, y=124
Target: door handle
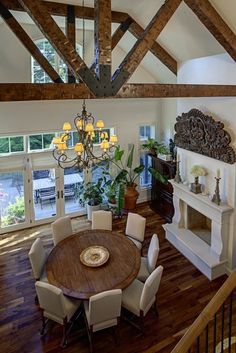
x=62, y=194
x=58, y=194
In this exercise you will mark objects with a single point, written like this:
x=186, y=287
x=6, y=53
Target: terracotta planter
x=131, y=196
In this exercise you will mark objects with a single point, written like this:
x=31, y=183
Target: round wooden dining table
x=66, y=271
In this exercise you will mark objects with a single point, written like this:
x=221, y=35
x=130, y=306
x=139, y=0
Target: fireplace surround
x=200, y=230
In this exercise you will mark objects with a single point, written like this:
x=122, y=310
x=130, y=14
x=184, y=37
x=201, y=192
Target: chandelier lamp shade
x=83, y=156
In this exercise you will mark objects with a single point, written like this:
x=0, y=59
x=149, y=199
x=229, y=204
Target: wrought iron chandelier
x=85, y=156
x=85, y=133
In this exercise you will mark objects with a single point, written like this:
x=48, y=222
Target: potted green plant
x=163, y=152
x=151, y=145
x=91, y=194
x=128, y=175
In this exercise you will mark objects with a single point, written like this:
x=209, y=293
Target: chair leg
x=116, y=335
x=91, y=340
x=155, y=307
x=142, y=322
x=36, y=300
x=44, y=324
x=64, y=340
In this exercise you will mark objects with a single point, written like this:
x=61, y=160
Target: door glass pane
x=12, y=204
x=98, y=172
x=73, y=177
x=44, y=193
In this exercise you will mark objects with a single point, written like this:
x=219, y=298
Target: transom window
x=42, y=141
x=12, y=144
x=38, y=74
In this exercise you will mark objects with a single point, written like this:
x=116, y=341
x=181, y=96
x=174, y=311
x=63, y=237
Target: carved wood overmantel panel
x=200, y=133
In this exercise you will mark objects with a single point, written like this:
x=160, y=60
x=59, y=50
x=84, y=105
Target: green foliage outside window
x=47, y=140
x=17, y=144
x=40, y=142
x=15, y=212
x=35, y=142
x=11, y=144
x=4, y=145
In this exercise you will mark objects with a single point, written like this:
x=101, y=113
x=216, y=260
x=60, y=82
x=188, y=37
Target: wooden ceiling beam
x=50, y=91
x=120, y=31
x=10, y=92
x=157, y=50
x=175, y=91
x=60, y=9
x=102, y=40
x=38, y=12
x=144, y=43
x=29, y=44
x=71, y=35
x=208, y=15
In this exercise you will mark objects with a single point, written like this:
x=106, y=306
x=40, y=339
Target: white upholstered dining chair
x=56, y=307
x=102, y=220
x=38, y=257
x=148, y=263
x=102, y=311
x=139, y=297
x=135, y=228
x=61, y=229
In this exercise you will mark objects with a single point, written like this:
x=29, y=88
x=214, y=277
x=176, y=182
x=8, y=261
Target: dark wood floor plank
x=183, y=293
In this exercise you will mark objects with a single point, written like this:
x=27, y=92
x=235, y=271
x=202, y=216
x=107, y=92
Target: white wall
x=168, y=119
x=219, y=69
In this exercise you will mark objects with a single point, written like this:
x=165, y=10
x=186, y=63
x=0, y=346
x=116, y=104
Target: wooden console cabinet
x=161, y=194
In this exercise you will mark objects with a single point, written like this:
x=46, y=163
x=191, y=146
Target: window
x=96, y=140
x=12, y=144
x=145, y=132
x=40, y=141
x=38, y=74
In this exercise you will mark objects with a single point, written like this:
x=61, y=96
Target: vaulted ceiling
x=184, y=37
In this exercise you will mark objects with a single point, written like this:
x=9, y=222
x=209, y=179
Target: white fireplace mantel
x=208, y=258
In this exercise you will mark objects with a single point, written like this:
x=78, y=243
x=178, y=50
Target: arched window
x=38, y=74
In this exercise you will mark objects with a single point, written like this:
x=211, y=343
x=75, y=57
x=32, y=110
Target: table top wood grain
x=66, y=271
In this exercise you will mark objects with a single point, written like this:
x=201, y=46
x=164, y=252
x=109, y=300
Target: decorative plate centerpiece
x=94, y=256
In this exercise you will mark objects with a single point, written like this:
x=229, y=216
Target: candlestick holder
x=177, y=178
x=216, y=197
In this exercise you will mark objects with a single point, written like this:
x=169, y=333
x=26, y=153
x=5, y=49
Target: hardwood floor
x=183, y=293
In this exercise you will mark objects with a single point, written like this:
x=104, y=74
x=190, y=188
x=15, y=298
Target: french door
x=55, y=193
x=35, y=192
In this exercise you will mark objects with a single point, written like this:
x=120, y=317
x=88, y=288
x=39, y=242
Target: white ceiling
x=184, y=37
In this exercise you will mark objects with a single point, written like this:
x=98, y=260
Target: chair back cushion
x=61, y=229
x=150, y=288
x=37, y=257
x=135, y=226
x=102, y=220
x=104, y=306
x=50, y=299
x=153, y=253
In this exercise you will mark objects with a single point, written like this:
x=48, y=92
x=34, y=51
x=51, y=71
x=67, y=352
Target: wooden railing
x=214, y=330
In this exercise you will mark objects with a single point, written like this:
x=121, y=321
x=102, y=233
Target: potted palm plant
x=151, y=145
x=91, y=194
x=128, y=175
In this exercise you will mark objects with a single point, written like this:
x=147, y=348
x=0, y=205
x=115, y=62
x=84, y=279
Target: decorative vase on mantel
x=196, y=187
x=131, y=196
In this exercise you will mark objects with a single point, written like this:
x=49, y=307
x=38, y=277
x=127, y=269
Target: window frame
x=144, y=154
